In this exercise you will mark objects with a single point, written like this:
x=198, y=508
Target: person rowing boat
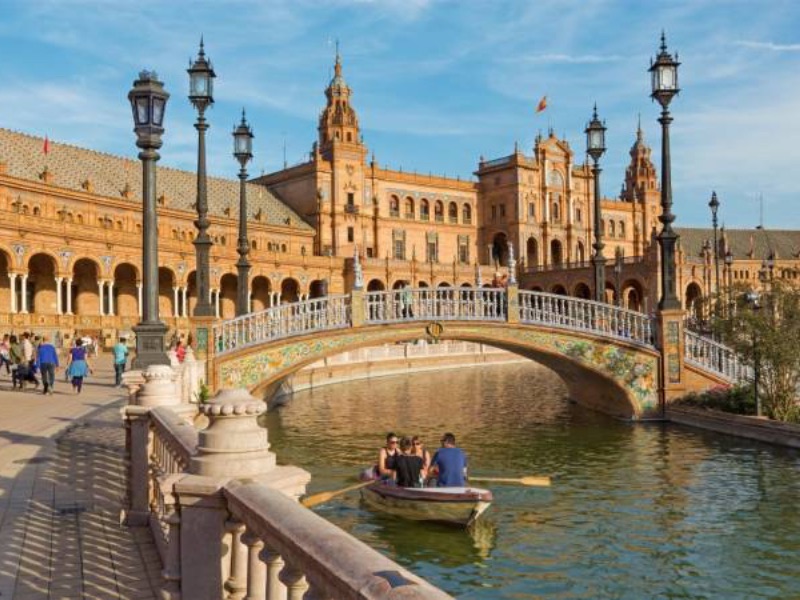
x=449, y=464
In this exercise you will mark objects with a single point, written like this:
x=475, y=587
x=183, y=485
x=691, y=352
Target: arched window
x=611, y=232
x=452, y=212
x=621, y=229
x=36, y=211
x=556, y=212
x=439, y=211
x=394, y=206
x=424, y=210
x=409, y=207
x=466, y=214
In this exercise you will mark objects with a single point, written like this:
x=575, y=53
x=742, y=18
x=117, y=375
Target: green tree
x=764, y=330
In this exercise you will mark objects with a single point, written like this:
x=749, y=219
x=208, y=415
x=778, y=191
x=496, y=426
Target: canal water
x=634, y=511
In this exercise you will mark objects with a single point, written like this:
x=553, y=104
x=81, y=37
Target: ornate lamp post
x=201, y=88
x=148, y=102
x=243, y=151
x=729, y=278
x=713, y=204
x=664, y=72
x=596, y=146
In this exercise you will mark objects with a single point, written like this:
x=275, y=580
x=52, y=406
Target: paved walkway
x=62, y=486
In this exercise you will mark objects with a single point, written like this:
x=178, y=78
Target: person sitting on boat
x=409, y=469
x=386, y=457
x=450, y=463
x=419, y=450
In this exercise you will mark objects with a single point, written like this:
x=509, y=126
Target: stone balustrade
x=225, y=517
x=710, y=355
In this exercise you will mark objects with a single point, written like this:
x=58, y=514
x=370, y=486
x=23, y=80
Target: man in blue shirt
x=450, y=463
x=47, y=362
x=120, y=358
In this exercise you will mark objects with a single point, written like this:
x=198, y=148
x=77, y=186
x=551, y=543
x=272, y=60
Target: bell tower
x=338, y=123
x=642, y=190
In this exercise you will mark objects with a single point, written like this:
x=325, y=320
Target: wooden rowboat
x=458, y=505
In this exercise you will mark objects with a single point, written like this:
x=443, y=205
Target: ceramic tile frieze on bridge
x=611, y=376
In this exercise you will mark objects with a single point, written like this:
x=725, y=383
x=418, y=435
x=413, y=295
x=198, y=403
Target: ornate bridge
x=616, y=360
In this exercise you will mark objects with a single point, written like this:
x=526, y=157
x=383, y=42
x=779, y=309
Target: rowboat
x=458, y=505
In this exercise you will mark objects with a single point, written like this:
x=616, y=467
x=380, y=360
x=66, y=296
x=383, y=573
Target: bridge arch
x=611, y=376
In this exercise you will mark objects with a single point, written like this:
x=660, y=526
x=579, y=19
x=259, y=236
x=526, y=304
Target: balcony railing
x=717, y=358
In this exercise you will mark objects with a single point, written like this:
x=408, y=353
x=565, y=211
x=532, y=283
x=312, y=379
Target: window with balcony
x=452, y=213
x=400, y=249
x=409, y=208
x=394, y=206
x=424, y=210
x=466, y=214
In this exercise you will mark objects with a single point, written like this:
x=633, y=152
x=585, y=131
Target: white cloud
x=772, y=46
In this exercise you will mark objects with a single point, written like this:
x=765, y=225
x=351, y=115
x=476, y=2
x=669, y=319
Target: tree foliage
x=764, y=330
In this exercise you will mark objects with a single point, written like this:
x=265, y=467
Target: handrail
x=565, y=312
x=285, y=320
x=443, y=304
x=716, y=358
x=321, y=560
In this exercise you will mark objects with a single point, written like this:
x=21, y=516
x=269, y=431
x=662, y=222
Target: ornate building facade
x=70, y=230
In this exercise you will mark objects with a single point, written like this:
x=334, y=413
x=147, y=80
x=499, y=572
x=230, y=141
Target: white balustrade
x=438, y=304
x=441, y=304
x=717, y=358
x=285, y=320
x=564, y=312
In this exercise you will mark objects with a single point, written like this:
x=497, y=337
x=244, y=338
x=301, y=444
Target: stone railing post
x=193, y=376
x=158, y=390
x=256, y=569
x=358, y=308
x=171, y=573
x=236, y=584
x=274, y=565
x=233, y=444
x=295, y=582
x=671, y=342
x=512, y=304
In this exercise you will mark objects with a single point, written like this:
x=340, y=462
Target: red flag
x=542, y=104
x=46, y=147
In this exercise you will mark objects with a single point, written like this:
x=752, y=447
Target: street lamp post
x=664, y=72
x=729, y=278
x=713, y=204
x=148, y=102
x=596, y=146
x=243, y=151
x=201, y=94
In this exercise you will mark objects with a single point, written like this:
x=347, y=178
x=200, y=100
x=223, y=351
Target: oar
x=532, y=481
x=310, y=501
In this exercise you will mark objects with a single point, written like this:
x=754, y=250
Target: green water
x=635, y=511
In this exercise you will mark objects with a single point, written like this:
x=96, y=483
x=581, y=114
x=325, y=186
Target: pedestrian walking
x=78, y=365
x=120, y=351
x=47, y=362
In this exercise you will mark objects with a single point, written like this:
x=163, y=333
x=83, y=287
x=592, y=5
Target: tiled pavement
x=62, y=485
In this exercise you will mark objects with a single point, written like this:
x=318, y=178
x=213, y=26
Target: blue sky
x=436, y=83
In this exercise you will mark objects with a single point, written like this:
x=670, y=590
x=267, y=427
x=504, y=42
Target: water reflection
x=635, y=511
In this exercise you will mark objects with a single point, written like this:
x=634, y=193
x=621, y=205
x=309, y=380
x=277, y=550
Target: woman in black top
x=408, y=468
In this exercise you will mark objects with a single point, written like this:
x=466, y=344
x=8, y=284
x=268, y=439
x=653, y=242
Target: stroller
x=21, y=373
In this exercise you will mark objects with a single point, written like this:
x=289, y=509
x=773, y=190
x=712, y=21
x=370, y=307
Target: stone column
x=101, y=286
x=185, y=303
x=256, y=569
x=69, y=295
x=512, y=307
x=24, y=293
x=12, y=278
x=59, y=303
x=216, y=304
x=137, y=426
x=274, y=565
x=357, y=308
x=139, y=297
x=175, y=311
x=673, y=384
x=236, y=584
x=111, y=298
